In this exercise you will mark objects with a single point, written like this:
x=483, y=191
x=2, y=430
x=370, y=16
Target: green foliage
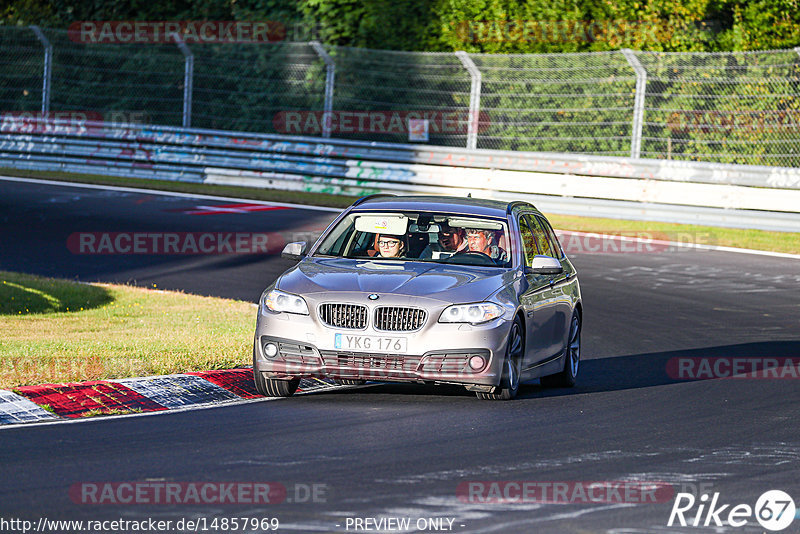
x=560, y=103
x=496, y=26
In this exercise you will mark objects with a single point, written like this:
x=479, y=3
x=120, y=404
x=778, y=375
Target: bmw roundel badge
x=374, y=296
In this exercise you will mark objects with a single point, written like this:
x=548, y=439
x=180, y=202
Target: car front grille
x=369, y=365
x=344, y=315
x=395, y=319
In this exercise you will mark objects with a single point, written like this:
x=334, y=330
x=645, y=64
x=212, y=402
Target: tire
x=261, y=385
x=281, y=388
x=509, y=382
x=350, y=382
x=270, y=387
x=572, y=358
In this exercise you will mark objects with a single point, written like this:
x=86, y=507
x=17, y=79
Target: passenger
x=449, y=241
x=391, y=246
x=479, y=240
x=417, y=241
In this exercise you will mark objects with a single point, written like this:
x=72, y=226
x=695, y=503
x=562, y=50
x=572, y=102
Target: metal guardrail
x=581, y=165
x=634, y=186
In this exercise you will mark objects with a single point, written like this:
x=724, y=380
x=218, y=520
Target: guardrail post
x=330, y=77
x=474, y=98
x=188, y=79
x=638, y=104
x=48, y=67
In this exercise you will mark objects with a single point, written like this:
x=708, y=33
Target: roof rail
x=515, y=203
x=370, y=197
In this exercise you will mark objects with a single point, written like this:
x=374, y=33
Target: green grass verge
x=54, y=331
x=787, y=242
x=729, y=237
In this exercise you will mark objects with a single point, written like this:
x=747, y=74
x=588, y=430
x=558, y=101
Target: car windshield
x=420, y=236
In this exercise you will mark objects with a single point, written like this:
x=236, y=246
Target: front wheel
x=572, y=358
x=270, y=387
x=281, y=388
x=509, y=383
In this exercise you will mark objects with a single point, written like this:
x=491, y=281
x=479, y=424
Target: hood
x=451, y=283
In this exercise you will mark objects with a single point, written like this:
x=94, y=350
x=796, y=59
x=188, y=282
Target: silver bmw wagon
x=438, y=290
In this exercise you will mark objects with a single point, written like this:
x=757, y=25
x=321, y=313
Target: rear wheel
x=509, y=383
x=270, y=387
x=572, y=358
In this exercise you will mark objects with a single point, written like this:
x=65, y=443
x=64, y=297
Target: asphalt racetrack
x=418, y=452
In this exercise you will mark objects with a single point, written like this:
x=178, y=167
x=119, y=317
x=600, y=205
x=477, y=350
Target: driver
x=449, y=241
x=482, y=241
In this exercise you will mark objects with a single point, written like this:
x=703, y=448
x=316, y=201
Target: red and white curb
x=17, y=409
x=54, y=402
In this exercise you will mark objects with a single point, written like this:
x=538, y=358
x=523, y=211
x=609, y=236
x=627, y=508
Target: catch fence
x=733, y=107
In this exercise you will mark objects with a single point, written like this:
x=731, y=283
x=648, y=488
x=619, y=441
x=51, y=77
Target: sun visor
x=382, y=224
x=475, y=223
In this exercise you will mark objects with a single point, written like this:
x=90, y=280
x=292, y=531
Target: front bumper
x=439, y=352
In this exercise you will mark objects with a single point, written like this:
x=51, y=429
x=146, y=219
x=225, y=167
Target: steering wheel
x=471, y=257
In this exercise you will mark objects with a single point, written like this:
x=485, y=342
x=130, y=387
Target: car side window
x=363, y=245
x=559, y=251
x=528, y=241
x=541, y=237
x=337, y=247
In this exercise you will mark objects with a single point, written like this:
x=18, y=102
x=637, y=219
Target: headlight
x=477, y=313
x=278, y=301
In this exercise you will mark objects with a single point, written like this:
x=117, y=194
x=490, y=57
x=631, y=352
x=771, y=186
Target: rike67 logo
x=774, y=511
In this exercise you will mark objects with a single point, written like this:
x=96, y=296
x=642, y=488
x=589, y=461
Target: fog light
x=477, y=363
x=270, y=349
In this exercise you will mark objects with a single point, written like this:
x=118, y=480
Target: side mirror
x=545, y=265
x=294, y=251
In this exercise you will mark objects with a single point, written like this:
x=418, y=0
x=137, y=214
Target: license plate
x=394, y=345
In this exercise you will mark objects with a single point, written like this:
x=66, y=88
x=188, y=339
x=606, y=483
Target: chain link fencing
x=579, y=103
x=377, y=91
x=723, y=107
x=21, y=68
x=718, y=107
x=119, y=80
x=248, y=86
